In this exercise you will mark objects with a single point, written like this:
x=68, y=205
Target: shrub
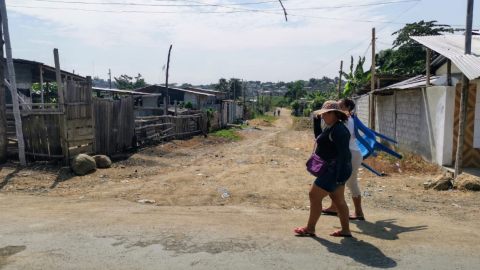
x=188, y=105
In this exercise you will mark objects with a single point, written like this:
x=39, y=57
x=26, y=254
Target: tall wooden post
x=244, y=100
x=428, y=66
x=464, y=94
x=165, y=106
x=372, y=84
x=166, y=79
x=3, y=107
x=41, y=86
x=13, y=85
x=340, y=80
x=175, y=102
x=61, y=106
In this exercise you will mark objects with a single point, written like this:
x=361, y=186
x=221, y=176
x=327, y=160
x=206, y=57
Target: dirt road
x=52, y=220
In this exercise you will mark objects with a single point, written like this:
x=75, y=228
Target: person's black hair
x=341, y=116
x=348, y=103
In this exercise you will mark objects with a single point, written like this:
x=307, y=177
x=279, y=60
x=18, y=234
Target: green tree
x=295, y=91
x=236, y=88
x=188, y=105
x=408, y=57
x=356, y=78
x=317, y=103
x=125, y=82
x=222, y=85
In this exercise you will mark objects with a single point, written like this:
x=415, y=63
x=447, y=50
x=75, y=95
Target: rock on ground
x=467, y=182
x=102, y=161
x=83, y=164
x=442, y=182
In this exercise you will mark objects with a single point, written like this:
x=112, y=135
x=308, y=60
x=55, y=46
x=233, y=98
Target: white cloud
x=256, y=45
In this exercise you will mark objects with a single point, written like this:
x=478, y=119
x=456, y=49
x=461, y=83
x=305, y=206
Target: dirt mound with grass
x=259, y=122
x=467, y=182
x=410, y=163
x=302, y=124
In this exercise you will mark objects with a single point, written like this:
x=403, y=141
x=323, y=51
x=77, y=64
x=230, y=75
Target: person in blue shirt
x=332, y=147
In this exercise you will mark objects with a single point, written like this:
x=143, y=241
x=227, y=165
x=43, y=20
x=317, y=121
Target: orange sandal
x=303, y=231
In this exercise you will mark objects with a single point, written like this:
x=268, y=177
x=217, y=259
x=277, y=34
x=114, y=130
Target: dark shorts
x=327, y=181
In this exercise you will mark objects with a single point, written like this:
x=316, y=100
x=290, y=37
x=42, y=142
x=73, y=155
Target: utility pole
x=234, y=84
x=372, y=84
x=244, y=99
x=3, y=107
x=110, y=78
x=13, y=85
x=166, y=81
x=464, y=94
x=340, y=80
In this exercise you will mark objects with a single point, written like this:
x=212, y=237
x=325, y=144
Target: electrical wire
x=363, y=40
x=150, y=5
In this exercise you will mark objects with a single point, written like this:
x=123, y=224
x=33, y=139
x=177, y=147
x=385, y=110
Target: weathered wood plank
x=80, y=150
x=84, y=122
x=72, y=133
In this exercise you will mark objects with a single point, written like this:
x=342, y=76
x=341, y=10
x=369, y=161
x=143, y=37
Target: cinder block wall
x=363, y=109
x=385, y=116
x=408, y=120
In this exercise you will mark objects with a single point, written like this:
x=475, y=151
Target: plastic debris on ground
x=102, y=176
x=81, y=197
x=367, y=193
x=146, y=201
x=240, y=162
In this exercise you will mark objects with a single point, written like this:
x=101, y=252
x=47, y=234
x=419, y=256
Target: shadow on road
x=9, y=176
x=62, y=176
x=384, y=229
x=360, y=251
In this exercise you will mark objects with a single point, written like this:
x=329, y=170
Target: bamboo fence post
x=3, y=107
x=13, y=85
x=61, y=106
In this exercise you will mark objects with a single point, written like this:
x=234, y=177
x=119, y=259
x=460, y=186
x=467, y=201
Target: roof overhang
x=453, y=48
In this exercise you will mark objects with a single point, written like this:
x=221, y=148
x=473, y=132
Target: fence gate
x=79, y=118
x=114, y=125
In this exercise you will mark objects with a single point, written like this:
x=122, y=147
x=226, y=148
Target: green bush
x=317, y=103
x=188, y=105
x=306, y=112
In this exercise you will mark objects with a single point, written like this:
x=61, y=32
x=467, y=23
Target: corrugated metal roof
x=118, y=91
x=452, y=47
x=412, y=83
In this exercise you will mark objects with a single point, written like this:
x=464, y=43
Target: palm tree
x=295, y=91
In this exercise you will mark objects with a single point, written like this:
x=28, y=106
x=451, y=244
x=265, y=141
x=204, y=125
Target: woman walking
x=348, y=105
x=333, y=148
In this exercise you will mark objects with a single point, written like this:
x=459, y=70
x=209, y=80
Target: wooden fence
x=79, y=118
x=87, y=125
x=114, y=125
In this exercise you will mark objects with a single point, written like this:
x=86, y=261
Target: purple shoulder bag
x=315, y=164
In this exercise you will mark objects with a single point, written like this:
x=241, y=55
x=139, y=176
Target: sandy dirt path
x=53, y=220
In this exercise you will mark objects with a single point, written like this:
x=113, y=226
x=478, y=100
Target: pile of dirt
x=467, y=182
x=410, y=163
x=441, y=182
x=302, y=124
x=259, y=122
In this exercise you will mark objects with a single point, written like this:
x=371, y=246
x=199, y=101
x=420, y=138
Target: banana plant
x=356, y=78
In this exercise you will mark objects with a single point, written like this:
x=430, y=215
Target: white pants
x=352, y=182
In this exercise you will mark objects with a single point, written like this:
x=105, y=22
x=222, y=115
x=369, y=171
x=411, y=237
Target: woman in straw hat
x=332, y=147
x=347, y=105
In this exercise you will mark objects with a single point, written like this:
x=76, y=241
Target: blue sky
x=208, y=46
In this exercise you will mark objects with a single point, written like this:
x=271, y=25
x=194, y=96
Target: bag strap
x=315, y=145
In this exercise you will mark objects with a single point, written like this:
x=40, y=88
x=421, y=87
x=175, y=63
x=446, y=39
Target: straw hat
x=328, y=106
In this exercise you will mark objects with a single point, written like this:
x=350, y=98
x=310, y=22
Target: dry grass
x=409, y=163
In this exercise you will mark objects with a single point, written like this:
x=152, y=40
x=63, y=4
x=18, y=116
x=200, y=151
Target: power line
x=367, y=49
x=350, y=6
x=363, y=40
x=150, y=5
